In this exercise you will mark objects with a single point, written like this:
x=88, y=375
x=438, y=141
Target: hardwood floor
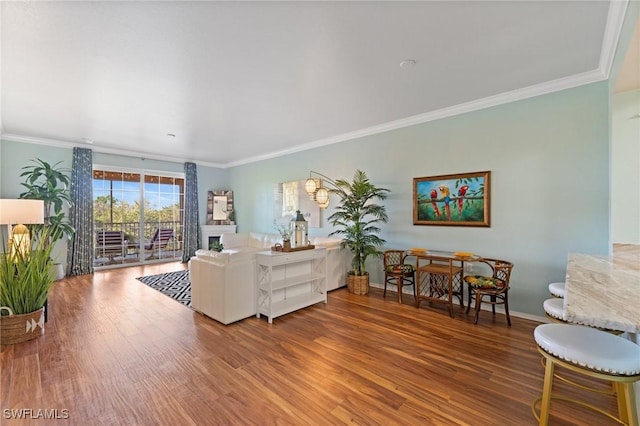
x=116, y=352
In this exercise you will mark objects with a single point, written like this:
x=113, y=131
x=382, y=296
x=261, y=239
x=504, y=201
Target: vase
x=286, y=245
x=22, y=327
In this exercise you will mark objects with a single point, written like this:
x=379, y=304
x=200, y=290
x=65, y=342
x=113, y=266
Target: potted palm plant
x=357, y=217
x=25, y=280
x=50, y=183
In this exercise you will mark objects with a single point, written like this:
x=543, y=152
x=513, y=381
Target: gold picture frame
x=461, y=199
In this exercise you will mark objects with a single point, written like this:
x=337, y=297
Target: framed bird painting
x=461, y=199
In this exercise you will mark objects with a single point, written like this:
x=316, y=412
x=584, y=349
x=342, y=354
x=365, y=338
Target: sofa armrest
x=212, y=256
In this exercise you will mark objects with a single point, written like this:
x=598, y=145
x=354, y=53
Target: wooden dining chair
x=491, y=288
x=398, y=273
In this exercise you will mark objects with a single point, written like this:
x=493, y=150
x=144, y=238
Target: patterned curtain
x=191, y=221
x=80, y=251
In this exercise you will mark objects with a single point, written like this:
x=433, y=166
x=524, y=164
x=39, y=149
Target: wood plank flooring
x=116, y=352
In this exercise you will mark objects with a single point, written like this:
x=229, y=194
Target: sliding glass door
x=138, y=216
x=163, y=216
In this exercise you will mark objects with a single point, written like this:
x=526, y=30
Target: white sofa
x=223, y=285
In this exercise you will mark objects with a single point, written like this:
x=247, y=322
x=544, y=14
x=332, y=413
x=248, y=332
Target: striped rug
x=173, y=284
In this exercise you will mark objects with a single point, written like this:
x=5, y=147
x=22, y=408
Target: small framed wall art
x=461, y=199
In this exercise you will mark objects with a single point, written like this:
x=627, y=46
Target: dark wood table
x=439, y=276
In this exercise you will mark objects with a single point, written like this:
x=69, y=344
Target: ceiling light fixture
x=407, y=63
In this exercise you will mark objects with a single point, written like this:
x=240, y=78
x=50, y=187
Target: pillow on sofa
x=232, y=240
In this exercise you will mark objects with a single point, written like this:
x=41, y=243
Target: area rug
x=173, y=284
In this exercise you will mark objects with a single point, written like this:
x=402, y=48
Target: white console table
x=207, y=231
x=290, y=281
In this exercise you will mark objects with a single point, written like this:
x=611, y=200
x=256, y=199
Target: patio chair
x=159, y=241
x=110, y=244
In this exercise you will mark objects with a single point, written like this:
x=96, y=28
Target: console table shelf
x=298, y=279
x=290, y=281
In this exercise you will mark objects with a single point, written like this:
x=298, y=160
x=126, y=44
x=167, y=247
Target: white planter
x=57, y=271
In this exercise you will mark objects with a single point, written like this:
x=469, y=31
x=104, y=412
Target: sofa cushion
x=227, y=255
x=328, y=242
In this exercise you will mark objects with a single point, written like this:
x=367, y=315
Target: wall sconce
x=314, y=189
x=18, y=212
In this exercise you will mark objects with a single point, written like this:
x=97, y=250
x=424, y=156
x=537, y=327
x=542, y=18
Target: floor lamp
x=14, y=214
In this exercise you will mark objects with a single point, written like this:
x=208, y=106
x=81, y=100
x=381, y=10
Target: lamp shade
x=21, y=211
x=322, y=196
x=310, y=186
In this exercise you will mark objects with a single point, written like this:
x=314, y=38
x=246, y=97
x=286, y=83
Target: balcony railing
x=130, y=251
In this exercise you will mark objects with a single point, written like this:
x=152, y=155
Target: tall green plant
x=357, y=217
x=25, y=279
x=50, y=184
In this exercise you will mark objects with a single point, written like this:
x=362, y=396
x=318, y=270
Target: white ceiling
x=242, y=81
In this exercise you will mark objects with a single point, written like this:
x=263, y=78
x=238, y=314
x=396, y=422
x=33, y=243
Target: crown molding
x=611, y=37
x=105, y=150
x=488, y=102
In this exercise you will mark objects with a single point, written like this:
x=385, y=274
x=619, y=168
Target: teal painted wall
x=549, y=159
x=625, y=171
x=17, y=155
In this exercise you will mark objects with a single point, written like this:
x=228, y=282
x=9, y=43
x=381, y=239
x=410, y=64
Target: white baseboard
x=499, y=309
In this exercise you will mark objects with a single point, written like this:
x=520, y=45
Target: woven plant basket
x=22, y=327
x=358, y=284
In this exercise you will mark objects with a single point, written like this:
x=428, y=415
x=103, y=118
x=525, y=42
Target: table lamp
x=19, y=212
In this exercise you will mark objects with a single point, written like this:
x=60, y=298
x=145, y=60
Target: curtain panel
x=80, y=248
x=191, y=221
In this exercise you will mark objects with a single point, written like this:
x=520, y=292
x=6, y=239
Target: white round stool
x=553, y=309
x=593, y=353
x=557, y=289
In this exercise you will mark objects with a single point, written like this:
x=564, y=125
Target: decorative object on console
x=459, y=199
x=285, y=232
x=299, y=230
x=356, y=218
x=220, y=208
x=287, y=249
